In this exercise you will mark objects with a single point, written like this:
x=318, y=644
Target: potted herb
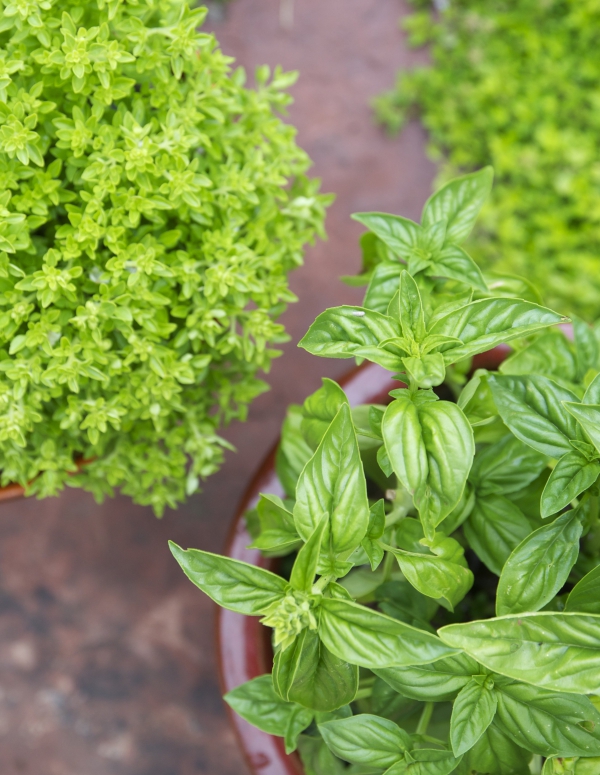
x=151, y=207
x=438, y=612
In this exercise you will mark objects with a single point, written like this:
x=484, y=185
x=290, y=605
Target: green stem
x=320, y=585
x=363, y=693
x=536, y=765
x=425, y=718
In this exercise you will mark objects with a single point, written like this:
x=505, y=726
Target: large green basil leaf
x=506, y=466
x=495, y=754
x=494, y=528
x=319, y=409
x=400, y=234
x=549, y=355
x=366, y=739
x=383, y=286
x=483, y=324
x=472, y=713
x=388, y=703
x=425, y=761
x=258, y=703
x=436, y=682
x=546, y=722
x=588, y=416
x=457, y=264
x=344, y=332
x=431, y=448
x=309, y=674
x=540, y=565
x=370, y=639
x=585, y=595
x=410, y=309
x=445, y=581
x=232, y=584
x=571, y=476
x=307, y=560
x=459, y=203
x=533, y=410
x=553, y=650
x=333, y=483
x=293, y=452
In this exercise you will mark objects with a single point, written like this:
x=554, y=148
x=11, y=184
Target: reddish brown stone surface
x=107, y=663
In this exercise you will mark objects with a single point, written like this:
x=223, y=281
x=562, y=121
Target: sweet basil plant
x=437, y=606
x=151, y=207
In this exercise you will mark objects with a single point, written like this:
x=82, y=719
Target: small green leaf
x=366, y=739
x=319, y=409
x=399, y=234
x=459, y=203
x=472, y=713
x=588, y=417
x=410, y=307
x=436, y=682
x=307, y=559
x=457, y=264
x=540, y=565
x=571, y=476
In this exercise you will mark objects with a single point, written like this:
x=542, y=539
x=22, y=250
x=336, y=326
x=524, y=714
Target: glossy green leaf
x=278, y=533
x=547, y=722
x=549, y=355
x=505, y=467
x=585, y=595
x=472, y=713
x=425, y=761
x=571, y=476
x=592, y=394
x=533, y=410
x=232, y=584
x=383, y=286
x=436, y=682
x=317, y=759
x=495, y=753
x=309, y=674
x=319, y=409
x=457, y=264
x=399, y=234
x=257, y=702
x=427, y=370
x=375, y=530
x=540, y=565
x=558, y=651
x=483, y=324
x=344, y=332
x=494, y=528
x=293, y=452
x=369, y=639
x=410, y=309
x=430, y=446
x=445, y=581
x=366, y=739
x=307, y=559
x=588, y=416
x=333, y=483
x=586, y=347
x=459, y=203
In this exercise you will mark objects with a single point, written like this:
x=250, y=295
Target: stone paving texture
x=107, y=662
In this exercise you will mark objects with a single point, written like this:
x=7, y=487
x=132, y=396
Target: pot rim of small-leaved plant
x=243, y=643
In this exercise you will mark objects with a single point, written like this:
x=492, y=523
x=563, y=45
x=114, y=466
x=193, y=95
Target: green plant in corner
x=151, y=207
x=439, y=612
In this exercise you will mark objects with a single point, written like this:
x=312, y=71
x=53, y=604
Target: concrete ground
x=107, y=662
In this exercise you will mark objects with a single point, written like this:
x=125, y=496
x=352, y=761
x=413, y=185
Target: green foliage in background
x=151, y=207
x=516, y=84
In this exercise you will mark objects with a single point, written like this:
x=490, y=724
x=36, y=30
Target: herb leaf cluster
x=515, y=85
x=151, y=207
x=439, y=611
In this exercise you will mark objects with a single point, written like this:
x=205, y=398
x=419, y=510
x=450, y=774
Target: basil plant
x=437, y=608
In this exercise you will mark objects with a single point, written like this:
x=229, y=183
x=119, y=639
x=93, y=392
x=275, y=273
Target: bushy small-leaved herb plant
x=151, y=207
x=515, y=84
x=437, y=608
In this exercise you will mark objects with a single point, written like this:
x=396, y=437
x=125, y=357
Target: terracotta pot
x=244, y=648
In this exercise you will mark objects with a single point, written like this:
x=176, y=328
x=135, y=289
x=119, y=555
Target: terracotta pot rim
x=242, y=642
